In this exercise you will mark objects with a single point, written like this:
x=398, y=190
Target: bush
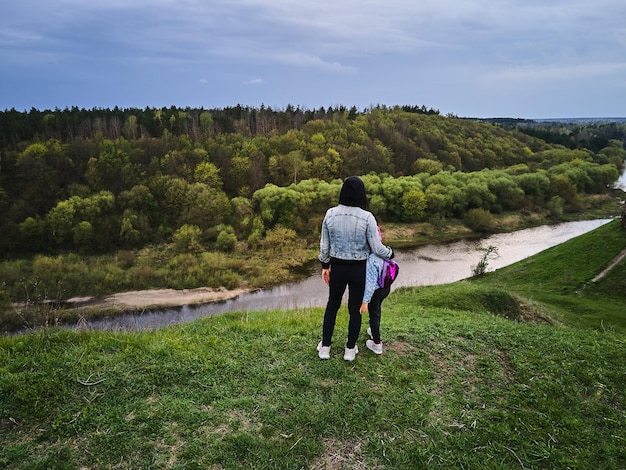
x=187, y=238
x=279, y=238
x=413, y=205
x=555, y=207
x=481, y=267
x=479, y=220
x=226, y=241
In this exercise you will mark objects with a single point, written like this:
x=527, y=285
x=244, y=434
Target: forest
x=94, y=182
x=99, y=180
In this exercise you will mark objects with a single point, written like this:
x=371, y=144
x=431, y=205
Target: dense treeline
x=68, y=124
x=100, y=180
x=592, y=134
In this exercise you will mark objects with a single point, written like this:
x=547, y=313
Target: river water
x=428, y=265
x=621, y=182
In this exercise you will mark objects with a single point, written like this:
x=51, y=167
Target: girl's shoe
x=369, y=332
x=323, y=351
x=350, y=354
x=375, y=348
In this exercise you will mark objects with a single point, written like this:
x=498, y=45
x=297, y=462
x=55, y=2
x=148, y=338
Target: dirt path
x=610, y=266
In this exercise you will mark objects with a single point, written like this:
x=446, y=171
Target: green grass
x=560, y=279
x=476, y=375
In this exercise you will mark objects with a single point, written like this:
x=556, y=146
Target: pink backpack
x=388, y=274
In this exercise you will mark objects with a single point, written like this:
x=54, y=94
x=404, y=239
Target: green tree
x=239, y=175
x=131, y=128
x=536, y=187
x=575, y=171
x=37, y=177
x=563, y=155
x=440, y=200
x=277, y=205
x=393, y=190
x=426, y=165
x=138, y=198
x=135, y=228
x=206, y=123
x=561, y=186
x=60, y=219
x=174, y=198
x=326, y=167
x=204, y=207
x=83, y=234
x=413, y=205
x=288, y=168
x=601, y=176
x=226, y=240
x=477, y=194
x=33, y=234
x=508, y=194
x=209, y=174
x=182, y=163
x=280, y=239
x=187, y=239
x=105, y=172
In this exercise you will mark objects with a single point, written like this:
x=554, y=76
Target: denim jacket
x=349, y=233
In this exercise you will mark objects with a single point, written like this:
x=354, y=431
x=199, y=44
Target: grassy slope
x=457, y=387
x=560, y=279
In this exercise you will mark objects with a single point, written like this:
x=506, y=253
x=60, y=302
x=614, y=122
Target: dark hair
x=353, y=193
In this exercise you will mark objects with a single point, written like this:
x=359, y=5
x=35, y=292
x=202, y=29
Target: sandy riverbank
x=145, y=299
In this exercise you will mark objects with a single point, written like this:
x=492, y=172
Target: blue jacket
x=349, y=233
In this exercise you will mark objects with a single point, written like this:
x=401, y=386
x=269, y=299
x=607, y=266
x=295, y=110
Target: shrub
x=279, y=238
x=555, y=207
x=481, y=266
x=187, y=238
x=126, y=258
x=479, y=220
x=226, y=241
x=143, y=276
x=413, y=205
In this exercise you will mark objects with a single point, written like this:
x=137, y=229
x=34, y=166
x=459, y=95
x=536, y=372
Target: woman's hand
x=326, y=276
x=363, y=308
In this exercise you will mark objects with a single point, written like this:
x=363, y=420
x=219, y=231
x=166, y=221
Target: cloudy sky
x=472, y=58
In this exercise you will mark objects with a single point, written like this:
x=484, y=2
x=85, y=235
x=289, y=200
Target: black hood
x=353, y=193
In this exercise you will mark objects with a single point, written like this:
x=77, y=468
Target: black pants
x=374, y=310
x=342, y=275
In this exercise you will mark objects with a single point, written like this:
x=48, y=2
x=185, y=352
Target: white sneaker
x=369, y=332
x=350, y=354
x=323, y=351
x=375, y=348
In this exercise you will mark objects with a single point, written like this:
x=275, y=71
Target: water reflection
x=429, y=265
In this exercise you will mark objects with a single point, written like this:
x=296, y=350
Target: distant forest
x=106, y=179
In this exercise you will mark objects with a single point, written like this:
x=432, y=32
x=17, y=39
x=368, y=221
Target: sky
x=530, y=59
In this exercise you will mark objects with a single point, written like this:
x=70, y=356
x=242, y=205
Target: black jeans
x=342, y=275
x=374, y=310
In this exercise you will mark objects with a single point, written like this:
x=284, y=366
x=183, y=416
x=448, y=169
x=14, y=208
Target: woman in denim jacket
x=349, y=234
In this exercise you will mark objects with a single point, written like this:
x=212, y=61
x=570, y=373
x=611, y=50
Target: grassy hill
x=561, y=279
x=520, y=368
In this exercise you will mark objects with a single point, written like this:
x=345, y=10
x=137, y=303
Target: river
x=621, y=182
x=428, y=265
